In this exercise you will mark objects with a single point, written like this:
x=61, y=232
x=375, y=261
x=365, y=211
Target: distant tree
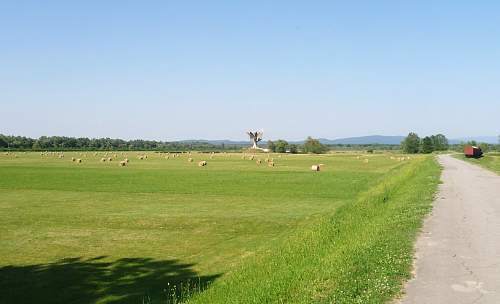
x=411, y=144
x=3, y=142
x=36, y=145
x=294, y=149
x=271, y=146
x=427, y=145
x=485, y=147
x=440, y=142
x=281, y=146
x=312, y=145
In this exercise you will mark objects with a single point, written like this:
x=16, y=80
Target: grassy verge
x=360, y=254
x=489, y=161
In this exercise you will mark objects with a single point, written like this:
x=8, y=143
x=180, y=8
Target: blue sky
x=212, y=69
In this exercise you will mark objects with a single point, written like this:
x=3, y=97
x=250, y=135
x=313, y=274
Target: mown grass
x=97, y=233
x=360, y=254
x=489, y=161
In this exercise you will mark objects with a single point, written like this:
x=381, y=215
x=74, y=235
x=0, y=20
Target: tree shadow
x=78, y=280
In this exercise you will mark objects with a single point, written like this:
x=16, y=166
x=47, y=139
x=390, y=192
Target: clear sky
x=213, y=69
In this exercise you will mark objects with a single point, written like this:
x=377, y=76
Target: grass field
x=98, y=233
x=489, y=161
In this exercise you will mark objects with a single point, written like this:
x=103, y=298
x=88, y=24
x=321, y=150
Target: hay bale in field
x=126, y=160
x=103, y=159
x=270, y=164
x=190, y=160
x=123, y=163
x=73, y=159
x=252, y=157
x=258, y=162
x=110, y=159
x=167, y=157
x=79, y=161
x=202, y=163
x=315, y=167
x=141, y=157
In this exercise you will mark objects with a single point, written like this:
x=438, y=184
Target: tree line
x=414, y=144
x=64, y=143
x=310, y=145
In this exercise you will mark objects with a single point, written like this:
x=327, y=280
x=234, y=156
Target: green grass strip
x=360, y=254
x=490, y=161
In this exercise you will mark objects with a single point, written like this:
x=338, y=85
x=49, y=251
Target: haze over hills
x=365, y=140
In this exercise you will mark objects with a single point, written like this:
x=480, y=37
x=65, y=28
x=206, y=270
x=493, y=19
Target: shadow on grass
x=77, y=280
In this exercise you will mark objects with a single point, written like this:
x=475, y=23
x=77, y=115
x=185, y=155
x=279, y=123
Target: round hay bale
x=202, y=163
x=315, y=167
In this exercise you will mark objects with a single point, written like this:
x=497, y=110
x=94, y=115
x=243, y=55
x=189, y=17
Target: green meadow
x=166, y=230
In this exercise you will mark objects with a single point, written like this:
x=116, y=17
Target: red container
x=472, y=151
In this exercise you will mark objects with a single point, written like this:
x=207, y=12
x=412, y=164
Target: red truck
x=473, y=151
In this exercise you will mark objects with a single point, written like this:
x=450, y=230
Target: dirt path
x=458, y=253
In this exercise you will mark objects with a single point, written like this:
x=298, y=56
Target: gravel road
x=458, y=252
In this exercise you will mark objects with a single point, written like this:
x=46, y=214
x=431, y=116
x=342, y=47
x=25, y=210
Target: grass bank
x=360, y=254
x=489, y=161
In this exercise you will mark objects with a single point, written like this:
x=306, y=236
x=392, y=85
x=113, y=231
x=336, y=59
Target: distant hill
x=365, y=140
